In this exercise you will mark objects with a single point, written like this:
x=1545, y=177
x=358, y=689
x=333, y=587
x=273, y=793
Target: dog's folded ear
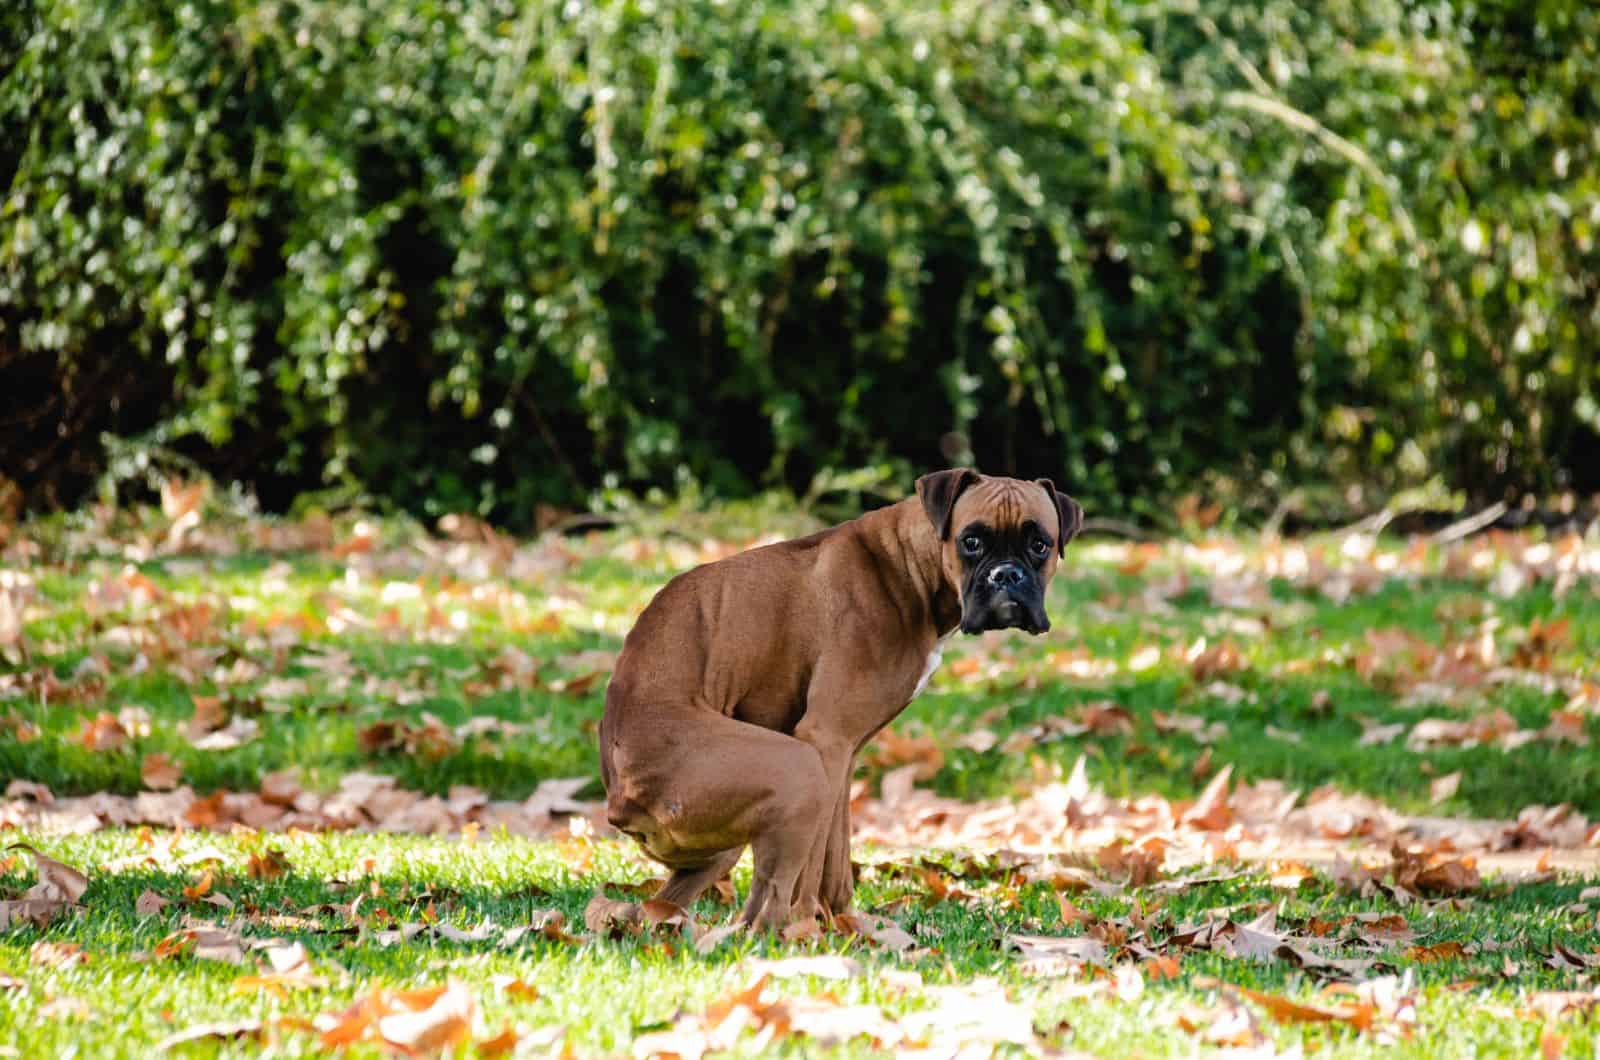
x=1068, y=512
x=938, y=492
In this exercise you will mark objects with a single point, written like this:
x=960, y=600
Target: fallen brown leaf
x=227, y=1030
x=658, y=912
x=102, y=732
x=1444, y=787
x=209, y=715
x=202, y=941
x=611, y=918
x=501, y=1044
x=1051, y=953
x=1071, y=914
x=201, y=887
x=150, y=904
x=879, y=930
x=1439, y=951
x=513, y=987
x=237, y=733
x=159, y=772
x=890, y=749
x=1161, y=967
x=822, y=966
x=57, y=954
x=413, y=1021
x=58, y=882
x=1230, y=1025
x=1283, y=1010
x=1434, y=873
x=1290, y=875
x=268, y=864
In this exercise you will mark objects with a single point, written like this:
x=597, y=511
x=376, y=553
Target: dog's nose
x=1007, y=576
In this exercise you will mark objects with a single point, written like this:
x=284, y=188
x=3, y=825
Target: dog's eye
x=1041, y=547
x=972, y=543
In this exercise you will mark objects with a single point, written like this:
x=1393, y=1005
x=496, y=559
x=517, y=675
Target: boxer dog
x=748, y=685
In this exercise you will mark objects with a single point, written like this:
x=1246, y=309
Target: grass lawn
x=1444, y=680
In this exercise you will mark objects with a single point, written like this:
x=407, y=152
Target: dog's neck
x=919, y=554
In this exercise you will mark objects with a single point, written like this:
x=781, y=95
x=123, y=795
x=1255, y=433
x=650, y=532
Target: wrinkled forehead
x=1005, y=504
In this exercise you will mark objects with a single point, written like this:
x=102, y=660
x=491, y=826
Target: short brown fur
x=747, y=687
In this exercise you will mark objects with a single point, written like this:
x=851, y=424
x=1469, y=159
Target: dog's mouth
x=1004, y=610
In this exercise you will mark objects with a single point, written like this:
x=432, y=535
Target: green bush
x=485, y=253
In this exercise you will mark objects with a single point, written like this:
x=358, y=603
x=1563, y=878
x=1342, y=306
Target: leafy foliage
x=480, y=255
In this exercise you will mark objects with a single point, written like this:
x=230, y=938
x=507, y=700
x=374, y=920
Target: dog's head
x=999, y=539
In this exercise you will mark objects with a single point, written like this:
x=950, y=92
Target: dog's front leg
x=842, y=712
x=838, y=884
x=837, y=758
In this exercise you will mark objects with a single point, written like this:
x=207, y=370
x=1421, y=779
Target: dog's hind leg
x=699, y=787
x=685, y=885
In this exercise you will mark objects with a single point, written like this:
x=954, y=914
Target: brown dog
x=748, y=685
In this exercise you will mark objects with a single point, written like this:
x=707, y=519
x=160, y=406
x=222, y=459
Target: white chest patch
x=934, y=658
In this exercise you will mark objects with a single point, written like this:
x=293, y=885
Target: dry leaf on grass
x=58, y=882
x=746, y=1011
x=415, y=1022
x=103, y=732
x=501, y=1044
x=288, y=968
x=556, y=796
x=890, y=748
x=1444, y=787
x=1566, y=958
x=36, y=911
x=1554, y=1004
x=658, y=912
x=445, y=1021
x=268, y=864
x=1284, y=1010
x=805, y=930
x=971, y=1013
x=149, y=903
x=281, y=788
x=1434, y=872
x=59, y=886
x=612, y=918
x=881, y=931
x=57, y=954
x=550, y=924
x=227, y=1030
x=1053, y=954
x=204, y=942
x=209, y=715
x=1071, y=914
x=1439, y=951
x=1290, y=875
x=822, y=966
x=513, y=987
x=236, y=733
x=714, y=937
x=201, y=887
x=159, y=772
x=1229, y=1025
x=1139, y=864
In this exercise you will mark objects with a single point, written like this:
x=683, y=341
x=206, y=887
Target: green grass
x=421, y=627
x=604, y=993
x=395, y=674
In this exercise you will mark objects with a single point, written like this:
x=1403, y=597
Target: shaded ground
x=1222, y=751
